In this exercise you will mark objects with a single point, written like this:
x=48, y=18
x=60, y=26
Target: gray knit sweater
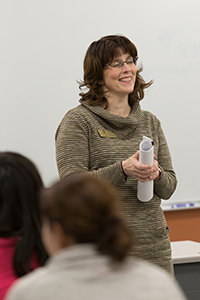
x=92, y=139
x=79, y=272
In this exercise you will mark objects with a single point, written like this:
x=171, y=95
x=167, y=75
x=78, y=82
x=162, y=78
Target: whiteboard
x=42, y=47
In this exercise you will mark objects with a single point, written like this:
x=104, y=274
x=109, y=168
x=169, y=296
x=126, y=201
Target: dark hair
x=98, y=55
x=87, y=210
x=20, y=183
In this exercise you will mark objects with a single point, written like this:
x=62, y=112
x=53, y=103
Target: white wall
x=42, y=45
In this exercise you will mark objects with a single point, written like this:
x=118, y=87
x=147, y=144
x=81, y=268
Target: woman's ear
x=54, y=237
x=63, y=238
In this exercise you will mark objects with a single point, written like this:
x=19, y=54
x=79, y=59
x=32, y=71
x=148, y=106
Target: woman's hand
x=132, y=167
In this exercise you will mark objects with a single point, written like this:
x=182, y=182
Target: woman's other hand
x=142, y=172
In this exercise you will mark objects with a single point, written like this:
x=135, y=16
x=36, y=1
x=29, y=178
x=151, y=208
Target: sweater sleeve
x=166, y=185
x=73, y=153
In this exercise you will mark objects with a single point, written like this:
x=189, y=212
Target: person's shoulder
x=77, y=112
x=143, y=266
x=74, y=111
x=149, y=114
x=157, y=281
x=73, y=117
x=26, y=285
x=150, y=118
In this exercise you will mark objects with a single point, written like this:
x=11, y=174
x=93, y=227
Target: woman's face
x=119, y=81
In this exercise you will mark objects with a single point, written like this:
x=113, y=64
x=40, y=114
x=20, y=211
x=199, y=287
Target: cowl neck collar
x=123, y=127
x=117, y=121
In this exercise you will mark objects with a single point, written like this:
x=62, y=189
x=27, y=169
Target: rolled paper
x=146, y=156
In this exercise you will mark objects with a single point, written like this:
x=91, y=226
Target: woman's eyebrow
x=118, y=57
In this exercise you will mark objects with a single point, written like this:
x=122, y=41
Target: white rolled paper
x=145, y=189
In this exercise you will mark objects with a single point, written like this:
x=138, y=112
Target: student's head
x=101, y=53
x=84, y=209
x=20, y=183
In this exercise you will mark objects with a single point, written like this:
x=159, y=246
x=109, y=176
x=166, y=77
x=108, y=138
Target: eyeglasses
x=117, y=64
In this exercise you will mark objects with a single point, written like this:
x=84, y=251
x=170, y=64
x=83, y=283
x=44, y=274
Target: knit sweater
x=89, y=138
x=80, y=272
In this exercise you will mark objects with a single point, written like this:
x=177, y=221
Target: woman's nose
x=125, y=67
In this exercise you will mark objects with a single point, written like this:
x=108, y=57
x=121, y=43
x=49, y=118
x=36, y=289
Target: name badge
x=107, y=134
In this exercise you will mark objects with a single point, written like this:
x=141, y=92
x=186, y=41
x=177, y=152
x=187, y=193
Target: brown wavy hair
x=98, y=55
x=87, y=210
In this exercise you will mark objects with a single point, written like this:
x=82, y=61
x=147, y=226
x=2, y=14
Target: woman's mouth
x=125, y=79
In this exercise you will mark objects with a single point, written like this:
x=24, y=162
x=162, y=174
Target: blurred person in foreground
x=21, y=248
x=88, y=240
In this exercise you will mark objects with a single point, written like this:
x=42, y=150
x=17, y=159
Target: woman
x=21, y=248
x=88, y=240
x=102, y=136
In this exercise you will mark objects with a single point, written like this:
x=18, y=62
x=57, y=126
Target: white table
x=185, y=252
x=186, y=260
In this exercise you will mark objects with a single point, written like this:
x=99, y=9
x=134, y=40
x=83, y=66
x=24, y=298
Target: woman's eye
x=116, y=64
x=129, y=61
